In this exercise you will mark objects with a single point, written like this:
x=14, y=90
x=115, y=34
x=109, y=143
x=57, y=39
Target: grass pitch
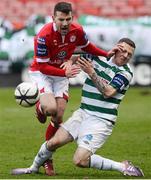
x=21, y=136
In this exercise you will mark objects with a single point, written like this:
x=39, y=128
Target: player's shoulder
x=45, y=30
x=126, y=71
x=76, y=27
x=100, y=60
x=127, y=68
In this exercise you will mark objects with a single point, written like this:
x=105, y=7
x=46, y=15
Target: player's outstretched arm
x=70, y=62
x=92, y=49
x=51, y=70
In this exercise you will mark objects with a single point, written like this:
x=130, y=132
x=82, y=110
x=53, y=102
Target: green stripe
x=127, y=69
x=106, y=65
x=92, y=95
x=99, y=109
x=103, y=75
x=100, y=62
x=114, y=69
x=89, y=82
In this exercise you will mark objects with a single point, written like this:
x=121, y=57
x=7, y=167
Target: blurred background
x=105, y=22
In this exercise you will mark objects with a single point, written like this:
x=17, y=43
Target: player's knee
x=79, y=161
x=52, y=144
x=60, y=113
x=59, y=119
x=49, y=111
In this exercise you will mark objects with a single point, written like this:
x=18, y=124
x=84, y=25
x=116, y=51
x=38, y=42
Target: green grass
x=21, y=136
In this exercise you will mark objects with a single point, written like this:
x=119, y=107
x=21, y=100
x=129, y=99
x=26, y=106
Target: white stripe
x=101, y=68
x=99, y=103
x=34, y=72
x=42, y=60
x=89, y=88
x=84, y=45
x=119, y=96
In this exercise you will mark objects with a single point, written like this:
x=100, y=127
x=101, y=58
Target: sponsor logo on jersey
x=62, y=54
x=61, y=45
x=41, y=40
x=55, y=61
x=72, y=38
x=41, y=50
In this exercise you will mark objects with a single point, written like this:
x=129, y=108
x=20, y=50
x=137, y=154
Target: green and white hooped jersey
x=92, y=99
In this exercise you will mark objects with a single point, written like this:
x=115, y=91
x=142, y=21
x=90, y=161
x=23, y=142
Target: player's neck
x=63, y=38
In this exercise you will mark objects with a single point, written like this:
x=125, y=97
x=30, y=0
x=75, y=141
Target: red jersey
x=51, y=47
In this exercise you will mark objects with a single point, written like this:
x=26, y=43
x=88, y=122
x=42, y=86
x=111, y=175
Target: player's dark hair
x=63, y=7
x=127, y=41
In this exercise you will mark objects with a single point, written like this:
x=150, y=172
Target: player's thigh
x=61, y=105
x=48, y=102
x=60, y=138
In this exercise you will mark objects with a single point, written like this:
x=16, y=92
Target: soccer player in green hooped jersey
x=93, y=122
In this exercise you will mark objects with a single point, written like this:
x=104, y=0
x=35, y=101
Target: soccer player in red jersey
x=53, y=46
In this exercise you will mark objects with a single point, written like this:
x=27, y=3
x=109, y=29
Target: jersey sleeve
x=88, y=57
x=51, y=70
x=82, y=38
x=41, y=49
x=121, y=80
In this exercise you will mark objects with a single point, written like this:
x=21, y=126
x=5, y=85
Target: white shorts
x=50, y=84
x=89, y=131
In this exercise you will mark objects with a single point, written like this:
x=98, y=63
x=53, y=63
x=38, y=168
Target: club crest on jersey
x=62, y=54
x=55, y=42
x=41, y=40
x=72, y=38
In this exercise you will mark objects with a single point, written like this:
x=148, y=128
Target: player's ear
x=53, y=18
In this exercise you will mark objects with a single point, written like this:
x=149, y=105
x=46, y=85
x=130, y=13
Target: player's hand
x=116, y=48
x=85, y=65
x=73, y=71
x=66, y=64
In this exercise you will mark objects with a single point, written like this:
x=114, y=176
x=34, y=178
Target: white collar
x=54, y=27
x=111, y=63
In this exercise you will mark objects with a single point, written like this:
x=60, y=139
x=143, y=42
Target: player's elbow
x=109, y=93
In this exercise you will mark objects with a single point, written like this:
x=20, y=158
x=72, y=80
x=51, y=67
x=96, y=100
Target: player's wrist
x=91, y=74
x=109, y=54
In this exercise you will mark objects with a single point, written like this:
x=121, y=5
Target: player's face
x=63, y=22
x=123, y=57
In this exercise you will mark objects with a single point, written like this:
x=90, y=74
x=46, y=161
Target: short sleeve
x=82, y=38
x=41, y=49
x=121, y=80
